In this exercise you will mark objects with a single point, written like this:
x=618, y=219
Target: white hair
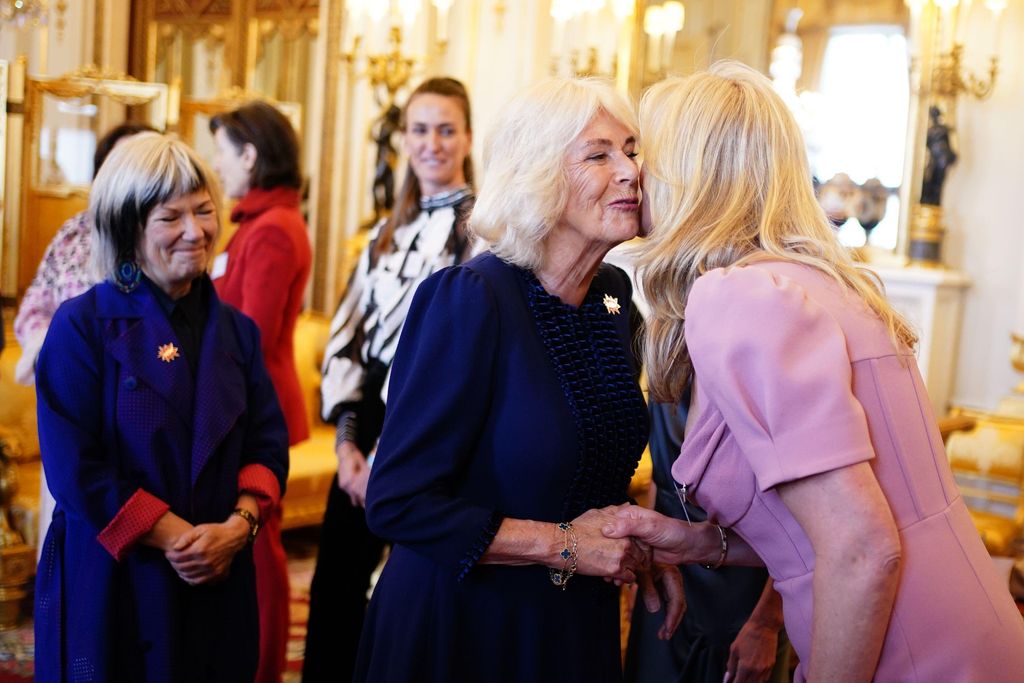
x=525, y=188
x=142, y=172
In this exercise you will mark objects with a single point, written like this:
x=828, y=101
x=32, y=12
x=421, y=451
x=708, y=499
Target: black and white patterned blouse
x=367, y=325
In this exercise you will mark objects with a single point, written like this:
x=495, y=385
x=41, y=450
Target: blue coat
x=114, y=418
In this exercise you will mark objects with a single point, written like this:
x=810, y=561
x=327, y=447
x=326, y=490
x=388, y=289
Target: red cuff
x=134, y=520
x=259, y=481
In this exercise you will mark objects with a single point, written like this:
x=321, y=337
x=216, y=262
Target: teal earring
x=127, y=276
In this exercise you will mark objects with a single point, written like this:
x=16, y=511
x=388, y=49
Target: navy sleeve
x=80, y=472
x=438, y=402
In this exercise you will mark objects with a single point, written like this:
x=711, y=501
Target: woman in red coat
x=263, y=272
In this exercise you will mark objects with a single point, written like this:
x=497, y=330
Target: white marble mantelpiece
x=932, y=301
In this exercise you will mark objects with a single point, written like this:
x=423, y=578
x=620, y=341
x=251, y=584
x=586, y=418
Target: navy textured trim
x=592, y=364
x=480, y=546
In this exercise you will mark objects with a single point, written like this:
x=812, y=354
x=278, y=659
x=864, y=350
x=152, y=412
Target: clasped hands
x=619, y=543
x=202, y=553
x=353, y=472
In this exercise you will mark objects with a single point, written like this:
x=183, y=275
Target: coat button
x=130, y=383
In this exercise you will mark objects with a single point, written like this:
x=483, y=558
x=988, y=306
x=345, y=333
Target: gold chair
x=313, y=463
x=987, y=458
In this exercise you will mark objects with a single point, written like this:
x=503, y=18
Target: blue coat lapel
x=211, y=405
x=137, y=340
x=221, y=395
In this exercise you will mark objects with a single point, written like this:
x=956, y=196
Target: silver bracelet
x=560, y=577
x=724, y=549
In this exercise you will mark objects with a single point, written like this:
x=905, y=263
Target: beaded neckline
x=591, y=299
x=590, y=359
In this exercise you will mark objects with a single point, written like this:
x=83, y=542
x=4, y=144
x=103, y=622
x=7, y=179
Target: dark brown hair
x=277, y=146
x=407, y=204
x=114, y=136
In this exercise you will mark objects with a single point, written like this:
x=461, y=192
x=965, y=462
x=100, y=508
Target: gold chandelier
x=20, y=14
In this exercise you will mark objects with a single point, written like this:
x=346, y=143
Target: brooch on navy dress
x=611, y=304
x=167, y=352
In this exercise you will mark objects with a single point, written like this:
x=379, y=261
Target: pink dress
x=795, y=377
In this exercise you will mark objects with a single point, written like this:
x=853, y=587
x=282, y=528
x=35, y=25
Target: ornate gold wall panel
x=170, y=33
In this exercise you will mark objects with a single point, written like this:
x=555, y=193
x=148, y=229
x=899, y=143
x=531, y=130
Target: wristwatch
x=254, y=524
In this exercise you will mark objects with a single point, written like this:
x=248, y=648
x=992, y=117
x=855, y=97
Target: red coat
x=268, y=263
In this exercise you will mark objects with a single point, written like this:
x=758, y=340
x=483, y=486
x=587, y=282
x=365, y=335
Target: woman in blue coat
x=161, y=438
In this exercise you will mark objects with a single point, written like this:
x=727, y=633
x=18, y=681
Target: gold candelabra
x=390, y=70
x=590, y=38
x=950, y=80
x=947, y=80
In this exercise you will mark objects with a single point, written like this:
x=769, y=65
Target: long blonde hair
x=727, y=179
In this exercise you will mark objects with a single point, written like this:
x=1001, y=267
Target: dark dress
x=504, y=402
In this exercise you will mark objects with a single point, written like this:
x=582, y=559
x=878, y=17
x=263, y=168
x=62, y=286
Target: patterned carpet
x=17, y=663
x=300, y=544
x=17, y=651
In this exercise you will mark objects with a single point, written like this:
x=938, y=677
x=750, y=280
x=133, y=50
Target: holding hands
x=614, y=558
x=626, y=558
x=672, y=541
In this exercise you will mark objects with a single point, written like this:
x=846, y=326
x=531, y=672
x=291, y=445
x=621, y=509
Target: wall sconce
x=948, y=78
x=587, y=36
x=945, y=81
x=661, y=24
x=374, y=30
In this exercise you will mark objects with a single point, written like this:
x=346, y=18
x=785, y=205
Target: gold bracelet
x=724, y=549
x=560, y=577
x=254, y=524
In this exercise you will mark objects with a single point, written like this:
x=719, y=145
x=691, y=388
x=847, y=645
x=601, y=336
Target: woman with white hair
x=162, y=441
x=810, y=440
x=515, y=418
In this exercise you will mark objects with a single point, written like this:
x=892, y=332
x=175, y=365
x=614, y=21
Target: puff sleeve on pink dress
x=796, y=376
x=779, y=372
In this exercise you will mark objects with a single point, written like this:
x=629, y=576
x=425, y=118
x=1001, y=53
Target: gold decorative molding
x=93, y=80
x=327, y=185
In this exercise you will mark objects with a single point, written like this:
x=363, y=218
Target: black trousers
x=337, y=596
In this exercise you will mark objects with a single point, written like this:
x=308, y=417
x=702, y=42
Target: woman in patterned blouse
x=425, y=232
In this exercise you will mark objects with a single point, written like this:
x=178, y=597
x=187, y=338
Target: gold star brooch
x=612, y=304
x=167, y=352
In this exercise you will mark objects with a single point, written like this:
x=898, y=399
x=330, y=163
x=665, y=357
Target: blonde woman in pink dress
x=810, y=442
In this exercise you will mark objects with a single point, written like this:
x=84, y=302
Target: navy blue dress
x=504, y=402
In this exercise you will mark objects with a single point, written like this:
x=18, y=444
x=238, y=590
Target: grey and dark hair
x=141, y=173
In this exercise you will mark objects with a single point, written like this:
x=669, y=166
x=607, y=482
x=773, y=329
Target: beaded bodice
x=591, y=361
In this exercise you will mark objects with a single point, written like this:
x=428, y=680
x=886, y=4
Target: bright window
x=860, y=120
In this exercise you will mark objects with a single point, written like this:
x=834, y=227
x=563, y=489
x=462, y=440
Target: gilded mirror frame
x=52, y=203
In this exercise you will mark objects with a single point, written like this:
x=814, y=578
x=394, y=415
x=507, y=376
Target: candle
x=963, y=14
x=997, y=7
x=654, y=27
